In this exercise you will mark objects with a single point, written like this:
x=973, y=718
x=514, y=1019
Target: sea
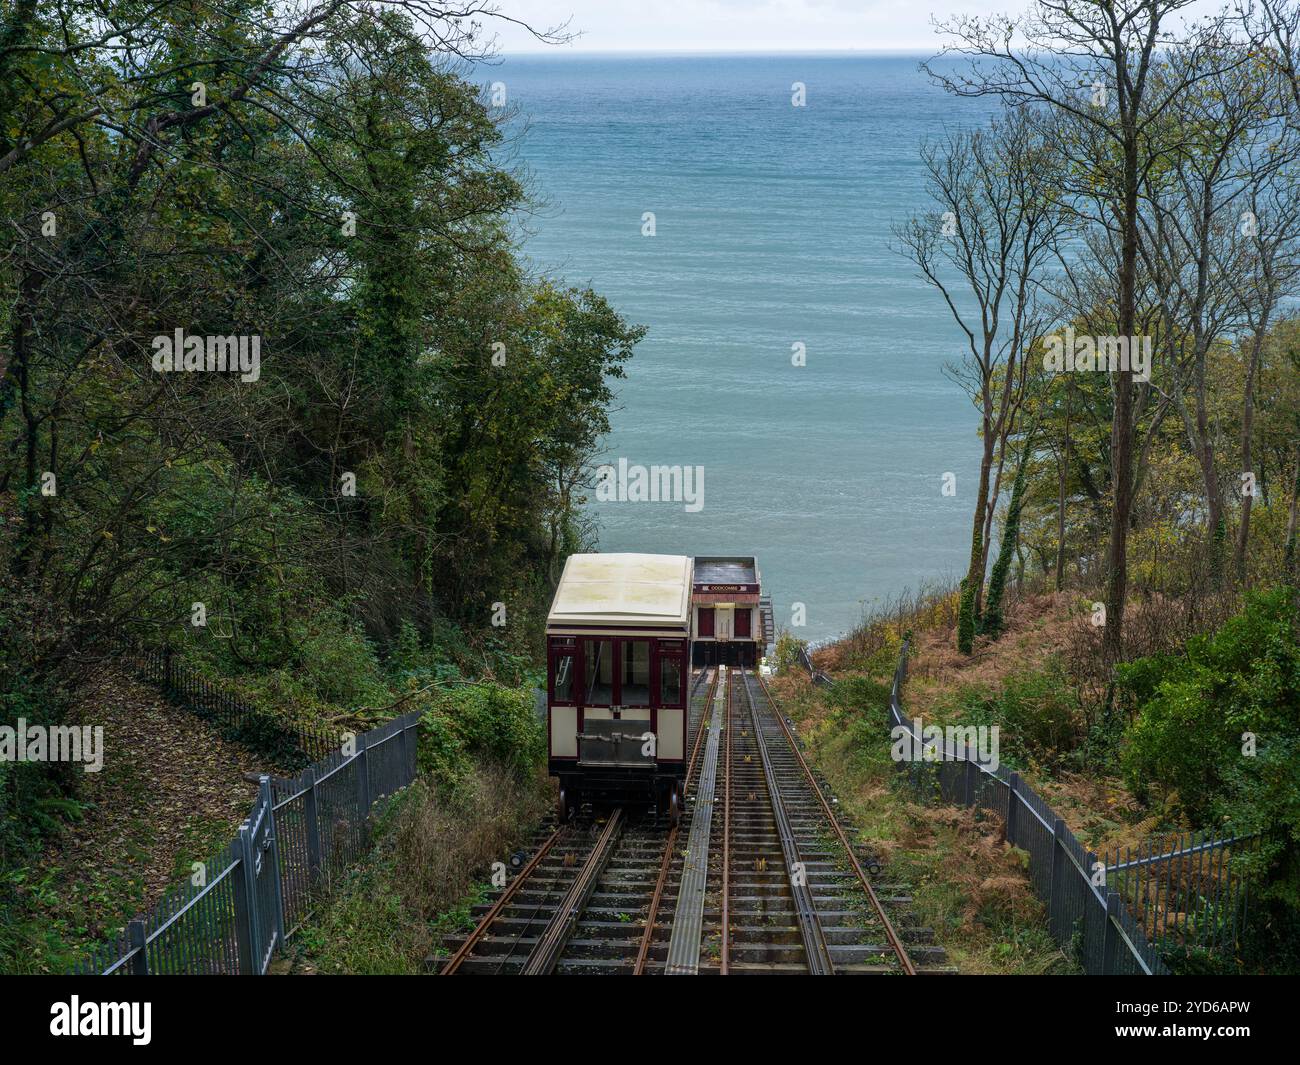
x=741, y=208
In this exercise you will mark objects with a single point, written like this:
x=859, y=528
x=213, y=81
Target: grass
x=1026, y=682
x=430, y=865
x=965, y=884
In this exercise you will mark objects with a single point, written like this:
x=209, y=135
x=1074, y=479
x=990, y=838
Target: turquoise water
x=772, y=228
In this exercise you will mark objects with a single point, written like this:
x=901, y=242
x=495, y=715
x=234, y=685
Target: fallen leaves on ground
x=171, y=792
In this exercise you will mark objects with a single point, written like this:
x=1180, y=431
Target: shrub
x=862, y=695
x=1040, y=710
x=1036, y=711
x=432, y=847
x=966, y=620
x=1197, y=712
x=787, y=652
x=480, y=721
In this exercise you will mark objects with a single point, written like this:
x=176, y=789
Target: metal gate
x=259, y=913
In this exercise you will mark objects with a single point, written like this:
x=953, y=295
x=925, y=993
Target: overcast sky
x=740, y=25
x=736, y=25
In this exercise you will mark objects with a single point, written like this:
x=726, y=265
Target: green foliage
x=420, y=882
x=1197, y=961
x=862, y=696
x=884, y=659
x=348, y=519
x=1270, y=940
x=1036, y=711
x=991, y=622
x=378, y=346
x=37, y=799
x=472, y=722
x=1194, y=711
x=24, y=785
x=787, y=651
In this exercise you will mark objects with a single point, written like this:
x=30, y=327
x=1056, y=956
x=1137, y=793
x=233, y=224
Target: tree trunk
x=1247, y=432
x=1209, y=475
x=1292, y=561
x=23, y=331
x=1004, y=425
x=990, y=513
x=973, y=585
x=1009, y=546
x=1121, y=431
x=1062, y=472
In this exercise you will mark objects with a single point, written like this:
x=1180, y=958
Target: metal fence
x=1185, y=890
x=289, y=744
x=1115, y=915
x=818, y=677
x=239, y=907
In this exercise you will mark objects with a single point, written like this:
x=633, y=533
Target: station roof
x=624, y=589
x=730, y=569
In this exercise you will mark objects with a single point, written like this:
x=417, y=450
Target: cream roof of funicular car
x=623, y=589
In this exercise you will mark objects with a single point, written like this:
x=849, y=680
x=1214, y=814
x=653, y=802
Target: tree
x=1272, y=218
x=326, y=183
x=1096, y=65
x=995, y=229
x=993, y=620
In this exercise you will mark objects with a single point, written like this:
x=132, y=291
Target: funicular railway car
x=731, y=620
x=618, y=654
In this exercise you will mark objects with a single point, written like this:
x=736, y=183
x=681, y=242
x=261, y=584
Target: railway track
x=792, y=893
x=586, y=899
x=782, y=890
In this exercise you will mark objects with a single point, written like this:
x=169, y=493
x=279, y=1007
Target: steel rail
x=705, y=674
x=810, y=925
x=481, y=929
x=546, y=952
x=700, y=729
x=891, y=934
x=652, y=915
x=725, y=952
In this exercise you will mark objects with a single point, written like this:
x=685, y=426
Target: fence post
x=1013, y=801
x=1056, y=885
x=972, y=775
x=311, y=818
x=402, y=747
x=138, y=941
x=167, y=669
x=1110, y=940
x=363, y=777
x=246, y=936
x=264, y=793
